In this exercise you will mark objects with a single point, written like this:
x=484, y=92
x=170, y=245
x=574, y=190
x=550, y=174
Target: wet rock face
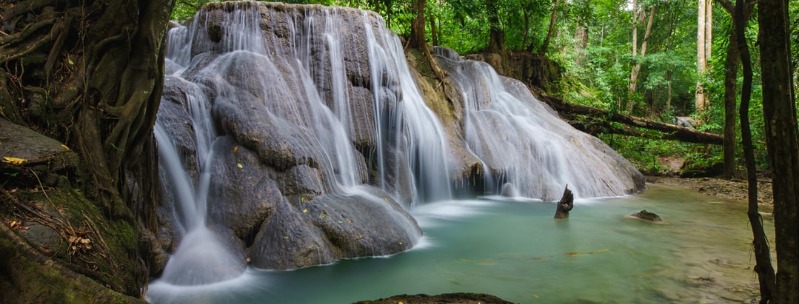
x=260, y=118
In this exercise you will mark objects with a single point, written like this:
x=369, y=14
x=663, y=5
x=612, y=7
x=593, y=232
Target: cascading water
x=272, y=129
x=292, y=136
x=524, y=147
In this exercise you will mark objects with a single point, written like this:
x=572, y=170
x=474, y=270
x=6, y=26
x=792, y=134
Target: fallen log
x=597, y=121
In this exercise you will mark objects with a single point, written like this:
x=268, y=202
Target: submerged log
x=595, y=121
x=565, y=204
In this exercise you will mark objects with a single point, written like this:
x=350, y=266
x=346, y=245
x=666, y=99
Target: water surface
x=514, y=249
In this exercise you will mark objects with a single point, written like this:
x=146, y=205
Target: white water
x=292, y=85
x=523, y=142
x=294, y=89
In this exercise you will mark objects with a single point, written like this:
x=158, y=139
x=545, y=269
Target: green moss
x=108, y=262
x=28, y=280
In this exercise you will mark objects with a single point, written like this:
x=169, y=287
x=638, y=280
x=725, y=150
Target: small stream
x=513, y=249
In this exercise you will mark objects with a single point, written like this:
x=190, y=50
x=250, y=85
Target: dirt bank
x=727, y=189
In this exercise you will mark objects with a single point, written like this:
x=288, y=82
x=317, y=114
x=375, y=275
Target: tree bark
x=496, y=36
x=91, y=75
x=417, y=39
x=552, y=20
x=782, y=141
x=731, y=88
x=600, y=123
x=765, y=272
x=433, y=30
x=637, y=67
x=730, y=94
x=704, y=34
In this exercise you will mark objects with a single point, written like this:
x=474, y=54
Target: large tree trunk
x=765, y=272
x=417, y=39
x=779, y=114
x=90, y=74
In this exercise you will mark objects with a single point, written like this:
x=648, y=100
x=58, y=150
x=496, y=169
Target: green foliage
x=645, y=154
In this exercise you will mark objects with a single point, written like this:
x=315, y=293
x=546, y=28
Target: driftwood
x=565, y=204
x=597, y=121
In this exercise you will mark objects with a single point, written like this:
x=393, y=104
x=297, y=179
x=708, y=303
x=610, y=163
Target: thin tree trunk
x=704, y=30
x=765, y=271
x=552, y=20
x=637, y=67
x=779, y=115
x=496, y=36
x=730, y=93
x=433, y=31
x=526, y=35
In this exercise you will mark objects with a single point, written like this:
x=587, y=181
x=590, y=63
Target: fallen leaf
x=14, y=160
x=14, y=224
x=235, y=149
x=65, y=147
x=305, y=210
x=239, y=165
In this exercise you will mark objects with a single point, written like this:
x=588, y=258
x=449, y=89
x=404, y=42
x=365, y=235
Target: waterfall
x=522, y=143
x=277, y=125
x=296, y=135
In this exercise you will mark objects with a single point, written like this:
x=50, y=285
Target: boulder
x=647, y=216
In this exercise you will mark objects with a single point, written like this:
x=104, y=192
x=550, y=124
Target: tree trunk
x=637, y=67
x=433, y=31
x=765, y=272
x=704, y=30
x=417, y=39
x=93, y=80
x=496, y=36
x=552, y=20
x=779, y=114
x=730, y=94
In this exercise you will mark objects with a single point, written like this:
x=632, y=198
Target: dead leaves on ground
x=79, y=243
x=14, y=160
